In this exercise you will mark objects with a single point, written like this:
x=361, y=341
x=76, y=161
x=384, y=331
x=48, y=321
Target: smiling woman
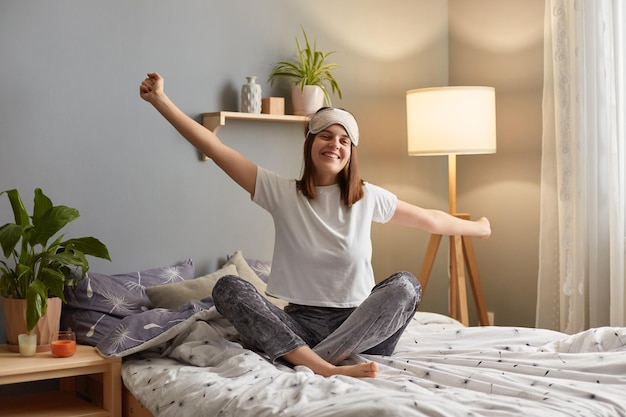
x=322, y=250
x=330, y=154
x=337, y=132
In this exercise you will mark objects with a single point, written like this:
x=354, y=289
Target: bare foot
x=305, y=356
x=361, y=370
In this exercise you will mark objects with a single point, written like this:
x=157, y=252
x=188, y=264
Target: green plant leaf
x=23, y=278
x=10, y=235
x=67, y=261
x=19, y=211
x=7, y=281
x=50, y=223
x=36, y=304
x=63, y=258
x=89, y=246
x=54, y=280
x=42, y=204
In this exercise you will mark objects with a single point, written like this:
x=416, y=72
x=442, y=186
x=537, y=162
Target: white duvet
x=440, y=368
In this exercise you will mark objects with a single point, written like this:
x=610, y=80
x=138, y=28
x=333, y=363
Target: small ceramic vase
x=251, y=96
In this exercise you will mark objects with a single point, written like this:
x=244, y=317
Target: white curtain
x=581, y=260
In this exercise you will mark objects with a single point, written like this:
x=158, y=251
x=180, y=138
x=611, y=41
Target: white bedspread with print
x=440, y=368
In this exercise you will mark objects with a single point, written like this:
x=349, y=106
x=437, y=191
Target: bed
x=181, y=358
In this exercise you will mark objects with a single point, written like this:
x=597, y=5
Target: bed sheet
x=440, y=368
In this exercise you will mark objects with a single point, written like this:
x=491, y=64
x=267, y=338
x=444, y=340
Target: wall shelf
x=214, y=121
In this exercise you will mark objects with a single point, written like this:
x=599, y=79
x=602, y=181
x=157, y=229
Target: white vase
x=251, y=96
x=307, y=101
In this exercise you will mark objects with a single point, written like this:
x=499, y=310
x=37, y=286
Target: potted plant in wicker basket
x=311, y=73
x=35, y=272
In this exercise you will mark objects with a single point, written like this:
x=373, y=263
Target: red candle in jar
x=63, y=348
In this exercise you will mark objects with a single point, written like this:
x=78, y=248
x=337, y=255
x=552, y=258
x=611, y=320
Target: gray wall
x=72, y=122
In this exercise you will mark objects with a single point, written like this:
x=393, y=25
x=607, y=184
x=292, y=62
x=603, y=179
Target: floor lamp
x=453, y=121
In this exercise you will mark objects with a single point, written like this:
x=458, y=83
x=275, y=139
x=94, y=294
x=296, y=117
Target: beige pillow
x=245, y=272
x=172, y=296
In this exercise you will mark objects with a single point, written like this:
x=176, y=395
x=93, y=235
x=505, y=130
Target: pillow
x=261, y=268
x=172, y=296
x=100, y=301
x=245, y=272
x=89, y=326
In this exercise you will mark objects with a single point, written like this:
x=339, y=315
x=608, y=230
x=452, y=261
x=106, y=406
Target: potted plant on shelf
x=311, y=73
x=34, y=274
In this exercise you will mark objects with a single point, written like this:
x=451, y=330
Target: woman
x=322, y=253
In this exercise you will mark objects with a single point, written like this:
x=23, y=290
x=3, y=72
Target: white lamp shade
x=451, y=120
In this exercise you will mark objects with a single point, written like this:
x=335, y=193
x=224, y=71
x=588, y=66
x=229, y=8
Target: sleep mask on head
x=332, y=116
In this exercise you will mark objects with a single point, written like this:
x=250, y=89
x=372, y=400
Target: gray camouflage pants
x=333, y=333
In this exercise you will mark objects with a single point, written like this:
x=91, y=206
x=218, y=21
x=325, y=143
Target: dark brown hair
x=349, y=179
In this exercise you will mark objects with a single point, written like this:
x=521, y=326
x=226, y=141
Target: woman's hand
x=485, y=228
x=151, y=87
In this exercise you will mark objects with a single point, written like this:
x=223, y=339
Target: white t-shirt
x=322, y=249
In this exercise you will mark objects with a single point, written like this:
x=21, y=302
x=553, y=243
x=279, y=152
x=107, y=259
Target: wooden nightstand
x=86, y=361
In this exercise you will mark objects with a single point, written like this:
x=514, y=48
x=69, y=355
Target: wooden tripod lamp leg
x=429, y=260
x=458, y=289
x=474, y=279
x=462, y=256
x=453, y=303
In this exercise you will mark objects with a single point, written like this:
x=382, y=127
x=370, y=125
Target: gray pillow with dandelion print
x=89, y=326
x=108, y=298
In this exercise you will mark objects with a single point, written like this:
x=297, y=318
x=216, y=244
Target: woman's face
x=330, y=153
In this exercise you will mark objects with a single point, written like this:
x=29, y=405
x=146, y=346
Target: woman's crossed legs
x=320, y=337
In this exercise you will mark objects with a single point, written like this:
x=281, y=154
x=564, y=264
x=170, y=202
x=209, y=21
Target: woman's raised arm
x=235, y=165
x=439, y=222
